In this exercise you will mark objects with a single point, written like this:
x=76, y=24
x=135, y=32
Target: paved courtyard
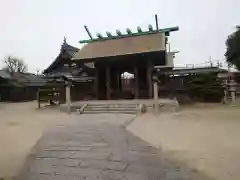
x=21, y=125
x=204, y=137
x=95, y=147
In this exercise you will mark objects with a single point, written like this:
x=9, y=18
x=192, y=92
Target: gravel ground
x=21, y=125
x=204, y=137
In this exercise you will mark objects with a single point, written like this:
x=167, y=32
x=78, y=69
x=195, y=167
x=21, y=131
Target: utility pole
x=209, y=62
x=38, y=71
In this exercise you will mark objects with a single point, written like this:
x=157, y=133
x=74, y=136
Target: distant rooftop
x=5, y=75
x=26, y=79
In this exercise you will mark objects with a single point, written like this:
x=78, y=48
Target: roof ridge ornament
x=120, y=35
x=118, y=32
x=128, y=33
x=109, y=34
x=64, y=43
x=139, y=29
x=150, y=28
x=99, y=36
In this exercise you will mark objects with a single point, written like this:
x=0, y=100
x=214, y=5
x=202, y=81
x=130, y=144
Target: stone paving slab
x=93, y=147
x=104, y=165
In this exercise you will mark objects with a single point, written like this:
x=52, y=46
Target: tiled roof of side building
x=5, y=75
x=65, y=48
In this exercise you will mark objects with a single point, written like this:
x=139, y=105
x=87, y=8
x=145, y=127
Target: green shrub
x=205, y=87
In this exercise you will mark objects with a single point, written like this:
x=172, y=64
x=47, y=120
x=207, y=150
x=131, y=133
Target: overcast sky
x=34, y=29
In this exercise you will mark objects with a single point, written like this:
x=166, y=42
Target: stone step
x=111, y=108
x=117, y=112
x=90, y=107
x=107, y=110
x=113, y=105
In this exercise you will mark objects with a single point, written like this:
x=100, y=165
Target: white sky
x=34, y=29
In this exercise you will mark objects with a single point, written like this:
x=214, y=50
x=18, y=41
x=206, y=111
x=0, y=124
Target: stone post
x=149, y=79
x=68, y=96
x=233, y=90
x=38, y=98
x=155, y=95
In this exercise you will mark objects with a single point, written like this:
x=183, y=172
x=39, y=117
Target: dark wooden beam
x=89, y=34
x=136, y=77
x=156, y=20
x=97, y=84
x=149, y=79
x=118, y=76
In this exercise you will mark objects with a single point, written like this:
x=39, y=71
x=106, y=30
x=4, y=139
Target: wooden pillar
x=136, y=82
x=96, y=84
x=108, y=83
x=149, y=79
x=118, y=83
x=68, y=96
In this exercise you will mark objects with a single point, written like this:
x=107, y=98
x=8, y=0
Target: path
x=95, y=147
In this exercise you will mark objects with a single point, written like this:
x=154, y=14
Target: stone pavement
x=97, y=147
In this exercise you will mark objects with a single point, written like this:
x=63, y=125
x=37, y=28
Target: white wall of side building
x=169, y=60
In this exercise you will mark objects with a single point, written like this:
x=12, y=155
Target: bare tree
x=13, y=65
